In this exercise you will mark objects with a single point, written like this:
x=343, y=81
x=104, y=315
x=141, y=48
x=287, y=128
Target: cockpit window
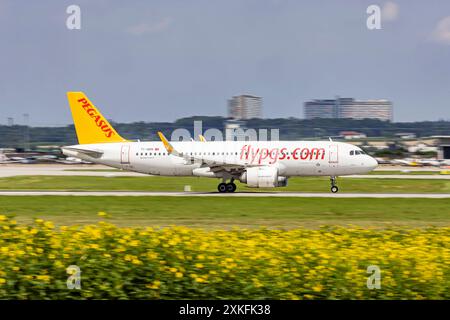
x=357, y=152
x=352, y=152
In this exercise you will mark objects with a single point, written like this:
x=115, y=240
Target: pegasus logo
x=99, y=121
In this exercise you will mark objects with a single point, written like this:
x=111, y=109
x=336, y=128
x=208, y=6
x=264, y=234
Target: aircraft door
x=333, y=159
x=125, y=154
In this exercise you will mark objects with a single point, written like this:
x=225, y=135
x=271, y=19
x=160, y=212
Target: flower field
x=190, y=263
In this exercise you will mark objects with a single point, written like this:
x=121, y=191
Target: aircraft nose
x=372, y=163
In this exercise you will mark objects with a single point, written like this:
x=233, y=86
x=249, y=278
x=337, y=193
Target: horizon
x=225, y=118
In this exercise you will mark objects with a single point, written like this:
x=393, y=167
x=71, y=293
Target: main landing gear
x=227, y=187
x=334, y=187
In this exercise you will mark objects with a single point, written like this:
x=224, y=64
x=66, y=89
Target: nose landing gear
x=227, y=187
x=334, y=187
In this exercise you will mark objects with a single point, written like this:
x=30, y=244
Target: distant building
x=349, y=108
x=406, y=135
x=235, y=130
x=352, y=135
x=245, y=107
x=443, y=144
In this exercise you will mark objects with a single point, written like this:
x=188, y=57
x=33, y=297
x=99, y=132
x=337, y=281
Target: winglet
x=170, y=149
x=202, y=138
x=166, y=143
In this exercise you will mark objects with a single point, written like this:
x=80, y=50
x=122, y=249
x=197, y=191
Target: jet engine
x=263, y=177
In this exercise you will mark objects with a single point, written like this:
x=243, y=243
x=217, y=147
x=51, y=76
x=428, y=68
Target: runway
x=229, y=195
x=399, y=176
x=11, y=170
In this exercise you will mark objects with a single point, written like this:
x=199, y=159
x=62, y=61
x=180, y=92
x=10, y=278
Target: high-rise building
x=349, y=108
x=245, y=107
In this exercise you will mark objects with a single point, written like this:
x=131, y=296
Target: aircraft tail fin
x=90, y=125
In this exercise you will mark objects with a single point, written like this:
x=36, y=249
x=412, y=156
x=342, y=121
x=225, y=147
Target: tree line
x=18, y=136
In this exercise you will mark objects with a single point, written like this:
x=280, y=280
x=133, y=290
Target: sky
x=164, y=60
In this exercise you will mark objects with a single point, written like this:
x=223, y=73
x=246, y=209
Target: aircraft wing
x=215, y=165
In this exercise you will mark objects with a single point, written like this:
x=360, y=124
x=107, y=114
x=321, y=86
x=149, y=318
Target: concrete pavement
x=216, y=194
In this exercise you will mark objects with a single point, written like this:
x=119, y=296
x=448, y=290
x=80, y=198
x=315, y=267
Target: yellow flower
x=134, y=243
x=128, y=257
x=154, y=285
x=179, y=275
x=317, y=288
x=49, y=224
x=43, y=277
x=102, y=214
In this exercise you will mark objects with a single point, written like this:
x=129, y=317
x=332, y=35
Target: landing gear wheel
x=334, y=187
x=231, y=187
x=222, y=187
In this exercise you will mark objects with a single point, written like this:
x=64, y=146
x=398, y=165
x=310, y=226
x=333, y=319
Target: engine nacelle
x=263, y=177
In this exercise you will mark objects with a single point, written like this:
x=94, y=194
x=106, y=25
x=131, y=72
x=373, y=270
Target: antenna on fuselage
x=331, y=140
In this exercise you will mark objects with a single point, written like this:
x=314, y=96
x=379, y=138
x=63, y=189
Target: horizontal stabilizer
x=88, y=152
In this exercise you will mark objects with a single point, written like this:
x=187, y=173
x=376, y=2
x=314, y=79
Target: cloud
x=146, y=28
x=389, y=11
x=441, y=32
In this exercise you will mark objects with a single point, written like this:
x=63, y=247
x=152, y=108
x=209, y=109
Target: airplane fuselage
x=291, y=158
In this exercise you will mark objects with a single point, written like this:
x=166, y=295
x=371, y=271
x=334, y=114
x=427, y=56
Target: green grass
x=212, y=212
x=411, y=172
x=156, y=183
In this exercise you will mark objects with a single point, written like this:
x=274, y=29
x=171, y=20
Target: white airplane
x=259, y=164
x=7, y=160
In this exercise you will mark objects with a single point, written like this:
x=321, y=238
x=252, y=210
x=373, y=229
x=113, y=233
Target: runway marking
x=216, y=194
